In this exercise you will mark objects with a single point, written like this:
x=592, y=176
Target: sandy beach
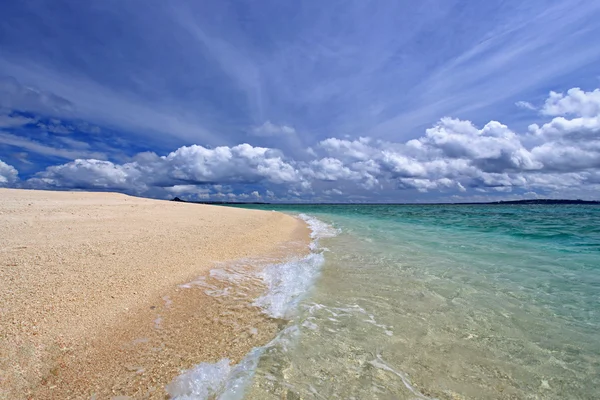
x=91, y=302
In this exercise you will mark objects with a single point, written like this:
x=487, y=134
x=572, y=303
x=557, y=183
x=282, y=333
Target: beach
x=92, y=303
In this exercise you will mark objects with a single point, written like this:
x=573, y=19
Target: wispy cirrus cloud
x=73, y=148
x=135, y=76
x=271, y=129
x=525, y=105
x=379, y=68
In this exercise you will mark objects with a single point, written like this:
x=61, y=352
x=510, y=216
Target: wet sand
x=90, y=295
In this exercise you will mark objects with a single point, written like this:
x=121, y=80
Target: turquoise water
x=446, y=302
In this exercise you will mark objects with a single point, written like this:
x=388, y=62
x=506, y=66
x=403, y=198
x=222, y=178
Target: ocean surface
x=424, y=302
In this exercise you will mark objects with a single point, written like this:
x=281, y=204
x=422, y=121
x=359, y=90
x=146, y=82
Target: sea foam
x=286, y=284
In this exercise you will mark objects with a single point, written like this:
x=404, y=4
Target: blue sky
x=120, y=85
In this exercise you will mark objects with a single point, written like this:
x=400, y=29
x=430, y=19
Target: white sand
x=82, y=274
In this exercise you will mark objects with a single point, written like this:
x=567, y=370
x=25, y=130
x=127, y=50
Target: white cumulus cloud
x=188, y=165
x=453, y=156
x=576, y=102
x=8, y=174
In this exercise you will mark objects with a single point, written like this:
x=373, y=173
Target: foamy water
x=286, y=285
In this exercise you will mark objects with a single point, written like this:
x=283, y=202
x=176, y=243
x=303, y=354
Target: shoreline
x=93, y=306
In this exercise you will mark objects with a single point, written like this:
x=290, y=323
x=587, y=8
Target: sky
x=312, y=101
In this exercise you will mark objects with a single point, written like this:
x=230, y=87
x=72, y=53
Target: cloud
x=494, y=148
x=576, y=129
x=570, y=143
x=187, y=189
x=269, y=129
x=523, y=46
x=525, y=105
x=14, y=121
x=333, y=192
x=455, y=155
x=8, y=174
x=329, y=169
x=186, y=166
x=242, y=164
x=452, y=156
x=575, y=102
x=90, y=174
x=55, y=127
x=15, y=96
x=383, y=69
x=40, y=148
x=359, y=149
x=92, y=103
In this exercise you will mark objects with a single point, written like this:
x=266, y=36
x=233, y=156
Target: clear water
x=447, y=302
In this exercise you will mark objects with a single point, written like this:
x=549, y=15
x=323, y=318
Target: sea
x=426, y=302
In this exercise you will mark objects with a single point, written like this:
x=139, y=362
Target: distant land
x=503, y=202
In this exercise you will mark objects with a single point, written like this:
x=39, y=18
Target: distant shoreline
x=501, y=202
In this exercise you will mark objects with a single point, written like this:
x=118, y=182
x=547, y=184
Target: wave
x=287, y=283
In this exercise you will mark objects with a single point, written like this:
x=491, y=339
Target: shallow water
x=478, y=302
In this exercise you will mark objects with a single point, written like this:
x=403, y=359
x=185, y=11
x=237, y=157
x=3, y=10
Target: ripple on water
x=439, y=302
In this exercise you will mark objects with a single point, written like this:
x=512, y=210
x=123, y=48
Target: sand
x=90, y=297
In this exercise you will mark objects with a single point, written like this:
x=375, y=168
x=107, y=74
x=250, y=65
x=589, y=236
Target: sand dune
x=84, y=278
